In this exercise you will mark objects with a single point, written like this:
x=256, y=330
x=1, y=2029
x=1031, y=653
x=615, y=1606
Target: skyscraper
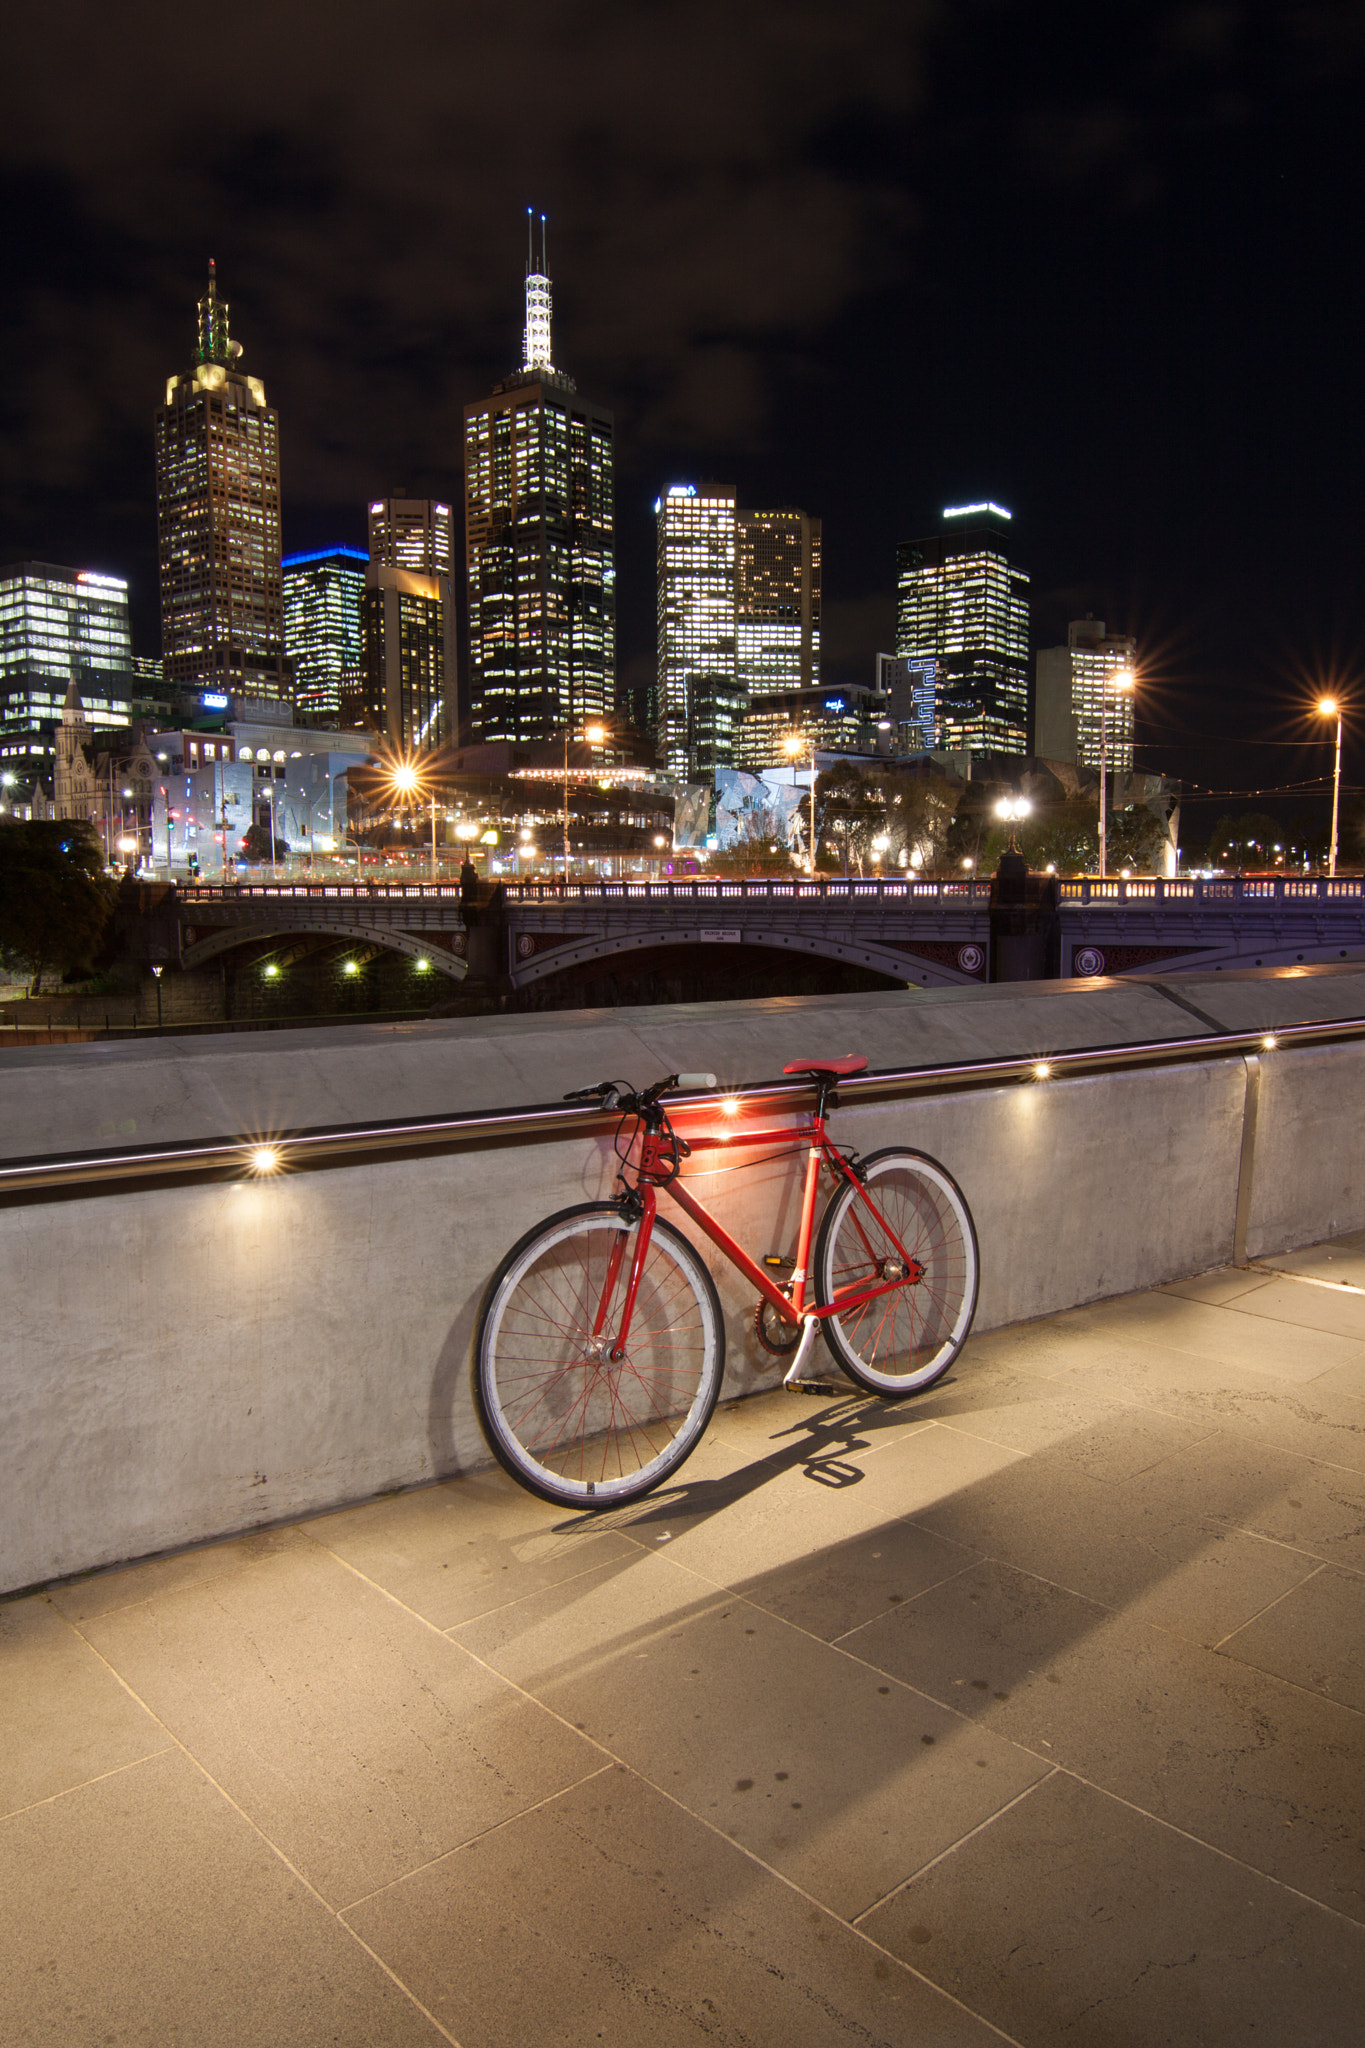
x=962, y=604
x=1071, y=683
x=323, y=591
x=408, y=624
x=218, y=519
x=539, y=539
x=777, y=601
x=60, y=627
x=700, y=698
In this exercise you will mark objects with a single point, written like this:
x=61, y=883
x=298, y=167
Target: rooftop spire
x=214, y=345
x=536, y=344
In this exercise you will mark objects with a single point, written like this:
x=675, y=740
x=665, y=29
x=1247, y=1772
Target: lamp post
x=1012, y=809
x=593, y=734
x=158, y=972
x=795, y=745
x=1328, y=707
x=1123, y=687
x=407, y=781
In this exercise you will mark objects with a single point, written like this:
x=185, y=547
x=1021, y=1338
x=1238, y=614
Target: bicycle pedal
x=823, y=1387
x=777, y=1260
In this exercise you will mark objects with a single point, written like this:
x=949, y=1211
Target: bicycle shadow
x=822, y=1446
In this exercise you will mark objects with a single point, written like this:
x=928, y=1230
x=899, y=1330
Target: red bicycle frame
x=658, y=1168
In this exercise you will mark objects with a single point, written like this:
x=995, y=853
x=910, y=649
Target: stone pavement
x=1030, y=1711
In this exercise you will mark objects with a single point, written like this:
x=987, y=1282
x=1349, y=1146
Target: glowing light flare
x=1269, y=1042
x=729, y=1105
x=1328, y=706
x=265, y=1159
x=1042, y=1070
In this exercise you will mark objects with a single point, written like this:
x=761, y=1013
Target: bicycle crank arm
x=809, y=1332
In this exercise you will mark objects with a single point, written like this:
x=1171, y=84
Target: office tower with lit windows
x=699, y=697
x=909, y=692
x=962, y=604
x=540, y=546
x=218, y=520
x=777, y=601
x=407, y=667
x=323, y=594
x=58, y=628
x=1072, y=683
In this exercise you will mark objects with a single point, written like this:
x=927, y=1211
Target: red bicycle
x=601, y=1344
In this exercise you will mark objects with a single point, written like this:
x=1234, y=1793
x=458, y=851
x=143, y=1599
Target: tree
x=1134, y=839
x=55, y=899
x=759, y=846
x=1248, y=841
x=257, y=844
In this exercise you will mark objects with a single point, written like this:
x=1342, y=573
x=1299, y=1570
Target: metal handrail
x=230, y=1157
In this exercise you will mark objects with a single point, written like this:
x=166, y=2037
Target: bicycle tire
x=562, y=1419
x=901, y=1342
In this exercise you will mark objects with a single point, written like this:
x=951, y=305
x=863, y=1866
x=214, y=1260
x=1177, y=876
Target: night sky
x=1102, y=264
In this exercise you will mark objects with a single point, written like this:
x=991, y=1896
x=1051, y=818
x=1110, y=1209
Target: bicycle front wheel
x=561, y=1415
x=901, y=1340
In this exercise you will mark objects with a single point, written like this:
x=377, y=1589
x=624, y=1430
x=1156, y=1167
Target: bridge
x=930, y=933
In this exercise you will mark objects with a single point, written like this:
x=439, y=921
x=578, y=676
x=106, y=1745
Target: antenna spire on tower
x=536, y=343
x=214, y=345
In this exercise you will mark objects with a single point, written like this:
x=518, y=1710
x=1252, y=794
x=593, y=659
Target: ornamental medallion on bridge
x=1091, y=960
x=967, y=959
x=531, y=943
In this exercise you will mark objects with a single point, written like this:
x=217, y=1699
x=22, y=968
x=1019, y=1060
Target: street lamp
x=1013, y=809
x=793, y=746
x=1124, y=685
x=1328, y=707
x=594, y=735
x=407, y=781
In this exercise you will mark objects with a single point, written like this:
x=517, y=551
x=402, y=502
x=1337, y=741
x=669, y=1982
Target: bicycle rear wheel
x=903, y=1340
x=563, y=1418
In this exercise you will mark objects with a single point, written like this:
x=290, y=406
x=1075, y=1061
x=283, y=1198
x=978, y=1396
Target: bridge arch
x=231, y=936
x=898, y=966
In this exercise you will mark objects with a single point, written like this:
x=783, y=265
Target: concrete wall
x=181, y=1362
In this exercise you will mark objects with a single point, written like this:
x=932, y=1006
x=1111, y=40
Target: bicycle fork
x=648, y=1206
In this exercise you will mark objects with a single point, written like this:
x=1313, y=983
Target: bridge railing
x=1218, y=889
x=202, y=892
x=832, y=889
x=1143, y=889
x=839, y=889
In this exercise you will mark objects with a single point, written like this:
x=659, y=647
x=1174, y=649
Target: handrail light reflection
x=1042, y=1070
x=265, y=1159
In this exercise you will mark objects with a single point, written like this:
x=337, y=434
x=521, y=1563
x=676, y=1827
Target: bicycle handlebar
x=612, y=1093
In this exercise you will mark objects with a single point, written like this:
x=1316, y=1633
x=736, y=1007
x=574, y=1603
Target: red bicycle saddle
x=849, y=1064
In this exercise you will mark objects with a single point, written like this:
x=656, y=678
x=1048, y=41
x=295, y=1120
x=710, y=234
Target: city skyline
x=896, y=260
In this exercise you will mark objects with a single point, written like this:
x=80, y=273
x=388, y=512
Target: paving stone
x=1227, y=1336
x=144, y=1909
x=1314, y=1637
x=456, y=1550
x=783, y=1531
x=359, y=1740
x=102, y=1592
x=1304, y=1306
x=608, y=1916
x=1222, y=1285
x=1072, y=1919
x=64, y=1717
x=837, y=1779
x=1246, y=1763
